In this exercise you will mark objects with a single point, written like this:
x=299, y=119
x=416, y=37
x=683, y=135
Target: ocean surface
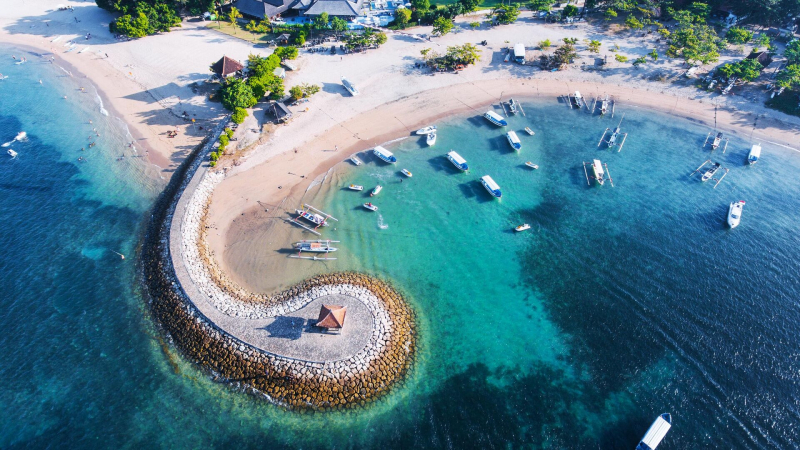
x=620, y=303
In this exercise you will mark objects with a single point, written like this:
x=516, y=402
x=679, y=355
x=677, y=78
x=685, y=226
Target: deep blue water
x=621, y=303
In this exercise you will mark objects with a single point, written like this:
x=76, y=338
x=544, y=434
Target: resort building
x=269, y=9
x=226, y=67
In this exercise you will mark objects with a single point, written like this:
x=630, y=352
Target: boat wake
x=22, y=136
x=381, y=225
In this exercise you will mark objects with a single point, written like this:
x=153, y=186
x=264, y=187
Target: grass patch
x=788, y=102
x=487, y=4
x=241, y=33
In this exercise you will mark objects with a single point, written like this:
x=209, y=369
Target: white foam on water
x=381, y=225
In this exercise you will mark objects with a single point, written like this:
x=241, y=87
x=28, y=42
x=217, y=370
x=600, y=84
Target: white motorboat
x=406, y=173
x=426, y=130
x=522, y=227
x=12, y=153
x=599, y=173
x=529, y=131
x=320, y=246
x=495, y=118
x=370, y=206
x=735, y=213
x=384, y=154
x=21, y=136
x=316, y=219
x=491, y=186
x=531, y=165
x=655, y=434
x=354, y=159
x=431, y=139
x=709, y=174
x=458, y=161
x=513, y=140
x=355, y=187
x=755, y=153
x=351, y=88
x=376, y=191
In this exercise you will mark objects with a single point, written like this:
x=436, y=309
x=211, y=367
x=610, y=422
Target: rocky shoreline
x=294, y=383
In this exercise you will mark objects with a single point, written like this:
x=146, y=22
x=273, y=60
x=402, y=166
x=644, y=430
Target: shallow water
x=619, y=304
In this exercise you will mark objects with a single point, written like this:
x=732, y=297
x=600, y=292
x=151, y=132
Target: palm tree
x=234, y=14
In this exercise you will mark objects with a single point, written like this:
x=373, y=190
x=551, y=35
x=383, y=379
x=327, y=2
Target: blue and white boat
x=491, y=186
x=384, y=154
x=656, y=432
x=755, y=153
x=513, y=140
x=458, y=161
x=495, y=118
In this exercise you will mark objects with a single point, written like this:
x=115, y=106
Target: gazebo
x=283, y=38
x=226, y=67
x=331, y=317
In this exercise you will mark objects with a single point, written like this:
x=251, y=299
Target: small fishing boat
x=717, y=141
x=711, y=171
x=12, y=153
x=495, y=118
x=531, y=165
x=370, y=206
x=316, y=219
x=522, y=227
x=426, y=130
x=376, y=191
x=604, y=106
x=755, y=153
x=354, y=159
x=491, y=186
x=578, y=98
x=458, y=161
x=406, y=173
x=513, y=140
x=655, y=434
x=384, y=154
x=431, y=139
x=351, y=88
x=320, y=246
x=735, y=213
x=529, y=131
x=355, y=187
x=599, y=173
x=512, y=106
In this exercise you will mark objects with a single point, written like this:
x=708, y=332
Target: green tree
x=789, y=77
x=594, y=46
x=633, y=23
x=300, y=39
x=749, y=69
x=296, y=92
x=442, y=26
x=402, y=17
x=131, y=26
x=234, y=14
x=239, y=114
x=338, y=25
x=506, y=14
x=236, y=94
x=541, y=5
x=570, y=11
x=469, y=5
x=284, y=53
x=610, y=14
x=321, y=21
x=565, y=54
x=421, y=5
x=737, y=35
x=762, y=41
x=695, y=42
x=792, y=52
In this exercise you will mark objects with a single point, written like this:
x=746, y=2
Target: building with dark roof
x=262, y=9
x=334, y=8
x=226, y=67
x=332, y=317
x=280, y=112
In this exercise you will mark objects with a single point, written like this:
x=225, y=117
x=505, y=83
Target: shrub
x=236, y=94
x=212, y=164
x=239, y=114
x=229, y=133
x=738, y=35
x=223, y=140
x=570, y=11
x=621, y=58
x=654, y=54
x=633, y=23
x=545, y=44
x=474, y=25
x=610, y=14
x=214, y=156
x=640, y=60
x=594, y=46
x=285, y=53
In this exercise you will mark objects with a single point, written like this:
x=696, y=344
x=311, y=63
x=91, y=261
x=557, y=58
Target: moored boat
x=495, y=118
x=370, y=206
x=513, y=140
x=355, y=187
x=717, y=141
x=522, y=227
x=755, y=153
x=384, y=154
x=655, y=434
x=355, y=160
x=458, y=161
x=406, y=173
x=512, y=106
x=599, y=173
x=531, y=165
x=711, y=171
x=529, y=131
x=431, y=139
x=735, y=213
x=351, y=88
x=320, y=246
x=316, y=219
x=426, y=130
x=491, y=186
x=12, y=153
x=376, y=191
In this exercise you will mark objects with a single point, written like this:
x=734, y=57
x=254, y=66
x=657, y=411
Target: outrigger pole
x=313, y=258
x=607, y=173
x=294, y=221
x=720, y=178
x=587, y=174
x=700, y=167
x=594, y=104
x=327, y=216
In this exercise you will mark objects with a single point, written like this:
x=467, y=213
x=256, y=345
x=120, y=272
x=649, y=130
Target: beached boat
x=578, y=99
x=513, y=140
x=431, y=139
x=320, y=246
x=406, y=173
x=495, y=118
x=384, y=154
x=458, y=161
x=376, y=191
x=655, y=434
x=512, y=106
x=599, y=173
x=351, y=88
x=370, y=206
x=755, y=153
x=355, y=160
x=711, y=171
x=491, y=186
x=529, y=131
x=604, y=106
x=426, y=130
x=316, y=219
x=12, y=153
x=531, y=165
x=355, y=187
x=522, y=227
x=735, y=213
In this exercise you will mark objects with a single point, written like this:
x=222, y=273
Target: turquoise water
x=619, y=304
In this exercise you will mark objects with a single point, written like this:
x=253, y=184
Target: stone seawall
x=212, y=321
